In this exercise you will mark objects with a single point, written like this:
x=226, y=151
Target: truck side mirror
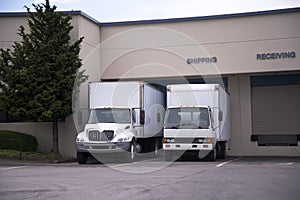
x=220, y=115
x=142, y=117
x=133, y=116
x=158, y=117
x=79, y=117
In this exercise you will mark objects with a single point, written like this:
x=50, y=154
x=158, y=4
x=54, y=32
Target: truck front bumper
x=178, y=146
x=102, y=147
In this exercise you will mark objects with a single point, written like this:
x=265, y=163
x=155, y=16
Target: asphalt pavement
x=232, y=178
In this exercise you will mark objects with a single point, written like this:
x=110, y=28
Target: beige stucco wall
x=41, y=130
x=90, y=55
x=128, y=50
x=9, y=28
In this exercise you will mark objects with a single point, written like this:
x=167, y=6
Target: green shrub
x=13, y=140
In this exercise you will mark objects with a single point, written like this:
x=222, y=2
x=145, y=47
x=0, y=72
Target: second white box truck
x=125, y=117
x=197, y=120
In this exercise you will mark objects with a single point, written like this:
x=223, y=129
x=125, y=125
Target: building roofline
x=169, y=20
x=73, y=12
x=79, y=12
x=223, y=16
x=13, y=14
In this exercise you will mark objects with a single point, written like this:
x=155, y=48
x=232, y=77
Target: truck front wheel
x=130, y=154
x=221, y=150
x=156, y=147
x=212, y=155
x=82, y=157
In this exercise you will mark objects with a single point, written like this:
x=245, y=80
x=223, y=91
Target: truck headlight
x=208, y=140
x=126, y=139
x=168, y=140
x=79, y=140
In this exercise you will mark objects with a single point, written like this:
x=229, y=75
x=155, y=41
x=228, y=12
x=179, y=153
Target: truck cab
x=188, y=129
x=109, y=130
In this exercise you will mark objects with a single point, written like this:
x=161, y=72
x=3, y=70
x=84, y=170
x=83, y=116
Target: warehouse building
x=255, y=56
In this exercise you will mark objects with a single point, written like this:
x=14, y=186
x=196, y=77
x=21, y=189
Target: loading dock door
x=276, y=110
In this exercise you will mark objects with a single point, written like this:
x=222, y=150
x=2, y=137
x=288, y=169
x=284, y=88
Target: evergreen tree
x=38, y=75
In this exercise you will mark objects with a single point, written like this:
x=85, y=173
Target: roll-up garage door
x=276, y=110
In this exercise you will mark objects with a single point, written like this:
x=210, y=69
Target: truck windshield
x=187, y=118
x=110, y=115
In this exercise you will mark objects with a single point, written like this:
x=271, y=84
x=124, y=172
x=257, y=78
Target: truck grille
x=189, y=140
x=103, y=136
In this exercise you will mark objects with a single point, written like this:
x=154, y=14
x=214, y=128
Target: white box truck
x=125, y=117
x=197, y=120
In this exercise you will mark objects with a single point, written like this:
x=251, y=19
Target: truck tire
x=222, y=150
x=168, y=156
x=130, y=154
x=156, y=148
x=212, y=155
x=82, y=158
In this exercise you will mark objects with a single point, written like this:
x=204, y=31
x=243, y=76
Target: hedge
x=13, y=140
